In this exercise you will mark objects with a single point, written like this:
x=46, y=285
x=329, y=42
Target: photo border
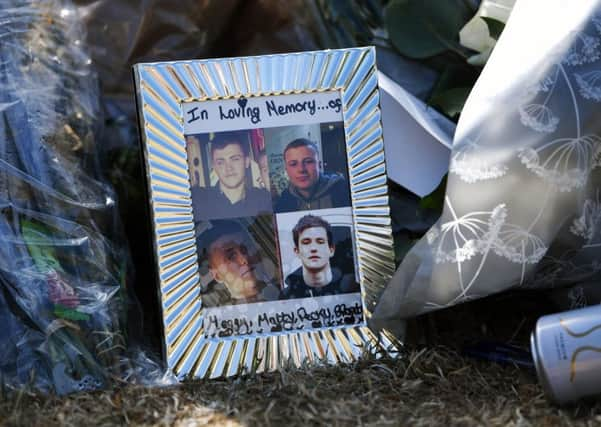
x=161, y=89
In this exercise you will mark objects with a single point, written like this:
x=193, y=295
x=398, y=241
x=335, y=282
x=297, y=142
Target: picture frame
x=268, y=199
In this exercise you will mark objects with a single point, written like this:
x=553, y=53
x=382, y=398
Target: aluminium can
x=566, y=348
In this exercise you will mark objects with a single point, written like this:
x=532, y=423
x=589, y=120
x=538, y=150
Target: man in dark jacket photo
x=233, y=195
x=314, y=246
x=309, y=187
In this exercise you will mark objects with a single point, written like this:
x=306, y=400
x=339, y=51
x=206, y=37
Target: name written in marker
x=283, y=321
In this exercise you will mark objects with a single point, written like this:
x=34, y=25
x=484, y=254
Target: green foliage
x=456, y=74
x=428, y=31
x=423, y=28
x=349, y=23
x=69, y=313
x=452, y=88
x=495, y=28
x=451, y=101
x=435, y=200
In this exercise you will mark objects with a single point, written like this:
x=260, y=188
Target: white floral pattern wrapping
x=523, y=202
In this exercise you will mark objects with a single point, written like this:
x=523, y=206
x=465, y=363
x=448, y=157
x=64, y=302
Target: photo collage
x=274, y=228
x=272, y=212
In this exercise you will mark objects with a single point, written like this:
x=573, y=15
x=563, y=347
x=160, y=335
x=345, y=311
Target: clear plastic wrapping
x=63, y=263
x=65, y=269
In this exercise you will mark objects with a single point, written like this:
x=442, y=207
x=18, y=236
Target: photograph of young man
x=314, y=247
x=234, y=261
x=233, y=195
x=308, y=186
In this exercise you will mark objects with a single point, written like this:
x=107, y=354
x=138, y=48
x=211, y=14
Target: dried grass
x=431, y=385
x=434, y=386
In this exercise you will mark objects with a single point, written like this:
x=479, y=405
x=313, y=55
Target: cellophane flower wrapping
x=63, y=265
x=523, y=199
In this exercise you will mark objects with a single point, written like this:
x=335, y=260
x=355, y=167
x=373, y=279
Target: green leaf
x=495, y=28
x=451, y=101
x=449, y=94
x=423, y=28
x=69, y=313
x=454, y=76
x=435, y=199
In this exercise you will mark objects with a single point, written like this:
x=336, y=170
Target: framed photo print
x=268, y=196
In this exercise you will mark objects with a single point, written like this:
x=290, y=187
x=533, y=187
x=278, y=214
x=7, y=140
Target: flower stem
x=576, y=112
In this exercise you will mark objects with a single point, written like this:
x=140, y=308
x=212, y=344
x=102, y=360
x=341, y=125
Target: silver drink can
x=566, y=348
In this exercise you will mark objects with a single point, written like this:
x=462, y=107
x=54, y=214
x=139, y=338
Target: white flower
x=496, y=221
x=471, y=164
x=472, y=169
x=564, y=162
x=588, y=223
x=463, y=253
x=519, y=245
x=475, y=34
x=584, y=49
x=481, y=58
x=464, y=237
x=432, y=235
x=547, y=82
x=538, y=117
x=597, y=21
x=589, y=84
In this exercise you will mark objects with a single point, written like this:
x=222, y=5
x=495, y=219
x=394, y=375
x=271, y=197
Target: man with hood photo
x=314, y=246
x=309, y=187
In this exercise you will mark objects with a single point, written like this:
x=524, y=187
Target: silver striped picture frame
x=163, y=89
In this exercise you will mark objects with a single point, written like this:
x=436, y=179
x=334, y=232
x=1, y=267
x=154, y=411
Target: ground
x=432, y=384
